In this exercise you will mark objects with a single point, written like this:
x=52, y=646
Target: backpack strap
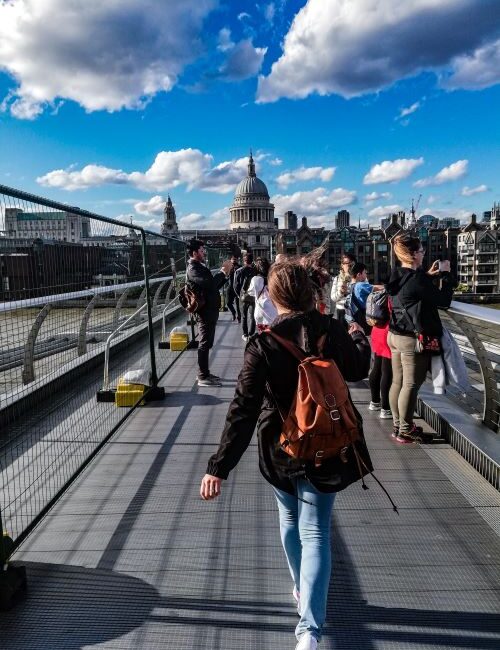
x=288, y=345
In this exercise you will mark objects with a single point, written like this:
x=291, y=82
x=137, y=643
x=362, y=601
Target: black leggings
x=380, y=379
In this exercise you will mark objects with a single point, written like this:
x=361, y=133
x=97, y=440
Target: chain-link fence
x=75, y=289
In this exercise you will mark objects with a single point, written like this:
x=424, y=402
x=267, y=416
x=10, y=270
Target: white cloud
x=243, y=61
x=353, y=47
x=409, y=110
x=317, y=202
x=192, y=220
x=276, y=162
x=385, y=210
x=446, y=175
x=243, y=15
x=189, y=167
x=155, y=205
x=470, y=191
x=89, y=176
x=218, y=220
x=269, y=12
x=377, y=196
x=169, y=169
x=306, y=174
x=225, y=42
x=103, y=55
x=391, y=171
x=475, y=71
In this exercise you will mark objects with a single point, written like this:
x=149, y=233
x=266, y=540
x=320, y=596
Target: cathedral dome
x=251, y=184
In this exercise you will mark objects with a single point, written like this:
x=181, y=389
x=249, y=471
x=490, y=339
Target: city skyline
x=144, y=100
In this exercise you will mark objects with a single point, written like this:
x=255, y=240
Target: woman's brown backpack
x=322, y=422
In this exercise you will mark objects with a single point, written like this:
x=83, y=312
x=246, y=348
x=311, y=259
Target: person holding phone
x=415, y=328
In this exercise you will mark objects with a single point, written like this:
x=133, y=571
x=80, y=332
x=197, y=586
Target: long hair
x=290, y=286
x=405, y=247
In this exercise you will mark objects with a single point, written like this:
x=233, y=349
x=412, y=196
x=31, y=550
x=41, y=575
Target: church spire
x=251, y=165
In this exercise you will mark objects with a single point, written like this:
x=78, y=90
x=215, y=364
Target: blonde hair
x=405, y=247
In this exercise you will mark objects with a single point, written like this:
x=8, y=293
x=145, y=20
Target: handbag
x=423, y=342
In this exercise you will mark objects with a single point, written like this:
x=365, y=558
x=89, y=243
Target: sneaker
x=208, y=381
x=405, y=439
x=244, y=337
x=395, y=432
x=374, y=406
x=419, y=435
x=296, y=596
x=214, y=377
x=386, y=414
x=307, y=642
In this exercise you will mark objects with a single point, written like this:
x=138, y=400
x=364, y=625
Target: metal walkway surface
x=131, y=558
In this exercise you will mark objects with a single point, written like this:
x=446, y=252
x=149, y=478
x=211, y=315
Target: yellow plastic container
x=179, y=339
x=129, y=394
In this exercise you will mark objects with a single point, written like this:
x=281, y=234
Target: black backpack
x=377, y=308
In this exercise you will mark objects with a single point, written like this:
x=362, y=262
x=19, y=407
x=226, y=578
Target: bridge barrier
x=61, y=299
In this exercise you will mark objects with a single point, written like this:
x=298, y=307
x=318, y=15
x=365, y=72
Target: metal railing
x=63, y=294
x=477, y=332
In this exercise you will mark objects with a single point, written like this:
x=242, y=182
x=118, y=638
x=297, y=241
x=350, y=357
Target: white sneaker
x=245, y=338
x=296, y=596
x=386, y=414
x=307, y=642
x=374, y=406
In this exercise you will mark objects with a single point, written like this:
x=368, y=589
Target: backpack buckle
x=331, y=403
x=318, y=458
x=343, y=454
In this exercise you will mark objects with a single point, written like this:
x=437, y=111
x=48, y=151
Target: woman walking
x=265, y=311
x=266, y=387
x=414, y=330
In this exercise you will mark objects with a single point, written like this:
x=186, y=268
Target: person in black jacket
x=415, y=301
x=198, y=274
x=266, y=386
x=242, y=279
x=232, y=297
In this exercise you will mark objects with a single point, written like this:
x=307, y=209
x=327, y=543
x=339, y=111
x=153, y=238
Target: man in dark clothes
x=242, y=279
x=232, y=297
x=198, y=274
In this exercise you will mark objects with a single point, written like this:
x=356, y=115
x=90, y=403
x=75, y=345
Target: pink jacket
x=379, y=341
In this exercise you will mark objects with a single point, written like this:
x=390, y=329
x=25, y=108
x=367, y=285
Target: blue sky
x=356, y=104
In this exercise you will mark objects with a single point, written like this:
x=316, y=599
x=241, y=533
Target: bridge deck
x=131, y=558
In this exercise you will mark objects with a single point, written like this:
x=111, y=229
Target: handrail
x=112, y=335
x=491, y=316
x=57, y=297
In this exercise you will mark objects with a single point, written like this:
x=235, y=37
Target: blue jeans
x=305, y=535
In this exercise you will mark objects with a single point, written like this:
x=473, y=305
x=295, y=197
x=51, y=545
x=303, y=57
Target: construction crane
x=412, y=221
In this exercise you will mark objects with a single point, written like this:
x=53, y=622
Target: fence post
x=82, y=333
x=156, y=392
x=28, y=372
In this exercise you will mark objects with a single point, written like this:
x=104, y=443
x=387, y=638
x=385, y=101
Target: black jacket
x=266, y=361
x=240, y=276
x=200, y=275
x=417, y=292
x=232, y=273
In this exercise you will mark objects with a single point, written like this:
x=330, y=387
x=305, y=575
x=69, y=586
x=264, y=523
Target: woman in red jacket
x=380, y=377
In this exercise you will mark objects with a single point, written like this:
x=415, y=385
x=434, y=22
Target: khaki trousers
x=409, y=370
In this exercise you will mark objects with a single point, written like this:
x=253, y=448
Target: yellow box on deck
x=129, y=394
x=179, y=341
